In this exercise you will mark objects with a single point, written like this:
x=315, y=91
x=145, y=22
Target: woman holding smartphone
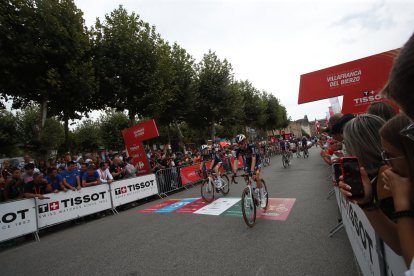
x=362, y=139
x=398, y=154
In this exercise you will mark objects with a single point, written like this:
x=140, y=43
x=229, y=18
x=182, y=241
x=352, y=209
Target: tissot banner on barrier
x=365, y=74
x=17, y=218
x=132, y=189
x=362, y=237
x=72, y=204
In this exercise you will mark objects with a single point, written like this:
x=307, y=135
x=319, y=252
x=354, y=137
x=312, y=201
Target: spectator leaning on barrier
x=362, y=139
x=37, y=187
x=400, y=89
x=55, y=180
x=29, y=170
x=6, y=173
x=398, y=150
x=70, y=177
x=117, y=169
x=91, y=177
x=27, y=159
x=83, y=169
x=14, y=186
x=105, y=176
x=129, y=168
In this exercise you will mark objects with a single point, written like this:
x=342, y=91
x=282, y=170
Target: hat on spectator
x=87, y=161
x=339, y=126
x=36, y=174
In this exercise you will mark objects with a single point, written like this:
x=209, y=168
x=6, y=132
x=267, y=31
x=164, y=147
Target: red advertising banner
x=358, y=102
x=365, y=74
x=133, y=138
x=143, y=131
x=137, y=152
x=189, y=174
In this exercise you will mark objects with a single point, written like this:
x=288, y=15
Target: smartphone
x=336, y=172
x=352, y=175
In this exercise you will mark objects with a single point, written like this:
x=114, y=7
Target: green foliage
x=31, y=139
x=50, y=59
x=111, y=126
x=125, y=56
x=87, y=136
x=9, y=136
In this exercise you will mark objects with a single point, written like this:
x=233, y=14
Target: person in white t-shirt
x=104, y=174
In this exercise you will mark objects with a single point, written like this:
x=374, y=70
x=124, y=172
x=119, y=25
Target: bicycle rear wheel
x=225, y=188
x=285, y=161
x=207, y=190
x=248, y=207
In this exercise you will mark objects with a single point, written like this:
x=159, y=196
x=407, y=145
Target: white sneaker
x=263, y=202
x=219, y=183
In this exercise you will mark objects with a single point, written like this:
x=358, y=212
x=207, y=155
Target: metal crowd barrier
x=168, y=180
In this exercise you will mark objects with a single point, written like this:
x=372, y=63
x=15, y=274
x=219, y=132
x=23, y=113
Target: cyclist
x=304, y=143
x=284, y=146
x=215, y=162
x=252, y=164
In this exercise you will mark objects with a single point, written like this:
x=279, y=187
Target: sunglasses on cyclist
x=408, y=132
x=387, y=159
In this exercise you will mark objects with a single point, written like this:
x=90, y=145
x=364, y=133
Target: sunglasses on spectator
x=408, y=132
x=387, y=159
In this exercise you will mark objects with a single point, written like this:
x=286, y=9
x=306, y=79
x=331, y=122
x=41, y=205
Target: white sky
x=271, y=43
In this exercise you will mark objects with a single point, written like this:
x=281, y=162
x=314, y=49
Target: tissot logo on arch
x=70, y=202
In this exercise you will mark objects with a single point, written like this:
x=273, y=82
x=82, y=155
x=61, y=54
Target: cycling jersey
x=213, y=156
x=304, y=143
x=247, y=155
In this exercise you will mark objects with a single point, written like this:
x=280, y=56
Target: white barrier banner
x=72, y=204
x=132, y=189
x=362, y=238
x=394, y=264
x=17, y=218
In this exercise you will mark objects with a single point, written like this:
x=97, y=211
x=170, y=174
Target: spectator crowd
x=383, y=142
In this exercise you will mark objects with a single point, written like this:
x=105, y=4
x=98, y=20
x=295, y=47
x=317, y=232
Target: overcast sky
x=271, y=43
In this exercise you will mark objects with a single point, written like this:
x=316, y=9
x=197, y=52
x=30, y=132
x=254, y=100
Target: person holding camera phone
x=362, y=139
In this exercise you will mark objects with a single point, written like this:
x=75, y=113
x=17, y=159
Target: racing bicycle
x=305, y=152
x=250, y=199
x=286, y=159
x=210, y=185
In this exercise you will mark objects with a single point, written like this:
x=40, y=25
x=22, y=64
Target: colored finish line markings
x=277, y=208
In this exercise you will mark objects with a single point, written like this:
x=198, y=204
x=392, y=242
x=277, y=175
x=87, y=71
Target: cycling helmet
x=240, y=138
x=203, y=147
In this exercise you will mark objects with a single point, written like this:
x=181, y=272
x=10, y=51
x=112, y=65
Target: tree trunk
x=180, y=136
x=66, y=125
x=168, y=134
x=213, y=131
x=131, y=116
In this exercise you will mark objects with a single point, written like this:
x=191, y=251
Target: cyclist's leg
x=257, y=177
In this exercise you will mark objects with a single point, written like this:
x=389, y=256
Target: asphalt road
x=186, y=244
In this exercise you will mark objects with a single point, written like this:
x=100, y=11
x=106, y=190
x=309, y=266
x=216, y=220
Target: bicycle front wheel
x=207, y=191
x=266, y=193
x=248, y=207
x=225, y=188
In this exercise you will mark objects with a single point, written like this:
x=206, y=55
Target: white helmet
x=240, y=138
x=203, y=147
